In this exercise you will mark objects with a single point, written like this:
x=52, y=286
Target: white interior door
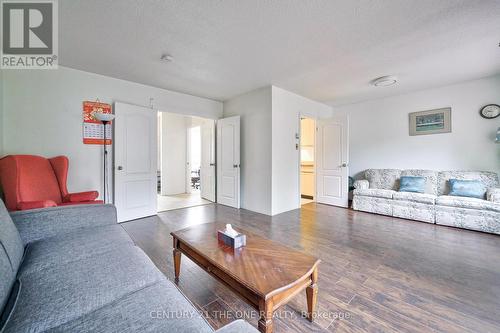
x=332, y=173
x=135, y=150
x=207, y=168
x=228, y=161
x=188, y=160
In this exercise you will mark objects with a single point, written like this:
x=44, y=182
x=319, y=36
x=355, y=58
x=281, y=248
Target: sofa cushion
x=10, y=239
x=415, y=197
x=489, y=179
x=465, y=202
x=239, y=326
x=157, y=308
x=493, y=194
x=412, y=184
x=8, y=276
x=385, y=179
x=58, y=294
x=11, y=253
x=373, y=192
x=74, y=246
x=43, y=223
x=467, y=188
x=431, y=178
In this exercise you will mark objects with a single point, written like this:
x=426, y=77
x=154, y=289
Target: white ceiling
x=327, y=50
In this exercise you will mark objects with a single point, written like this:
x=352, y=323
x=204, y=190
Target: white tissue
x=230, y=231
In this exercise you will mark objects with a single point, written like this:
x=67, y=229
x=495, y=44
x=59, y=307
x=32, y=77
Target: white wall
x=43, y=115
x=255, y=111
x=173, y=155
x=270, y=161
x=287, y=108
x=379, y=130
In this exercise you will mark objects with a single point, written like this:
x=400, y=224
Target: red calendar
x=93, y=130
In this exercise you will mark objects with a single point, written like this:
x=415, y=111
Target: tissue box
x=235, y=242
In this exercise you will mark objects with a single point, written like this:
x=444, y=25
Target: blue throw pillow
x=467, y=188
x=412, y=184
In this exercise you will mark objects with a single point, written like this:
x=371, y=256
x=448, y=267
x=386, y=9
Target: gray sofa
x=74, y=269
x=378, y=193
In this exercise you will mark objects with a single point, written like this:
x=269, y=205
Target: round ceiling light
x=384, y=81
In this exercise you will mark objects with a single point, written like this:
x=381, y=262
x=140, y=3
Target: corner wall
x=287, y=108
x=255, y=111
x=379, y=130
x=43, y=115
x=269, y=160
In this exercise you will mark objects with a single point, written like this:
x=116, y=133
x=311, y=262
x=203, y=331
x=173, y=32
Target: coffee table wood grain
x=264, y=273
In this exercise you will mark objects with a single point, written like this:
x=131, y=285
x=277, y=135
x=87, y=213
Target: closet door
x=332, y=171
x=228, y=161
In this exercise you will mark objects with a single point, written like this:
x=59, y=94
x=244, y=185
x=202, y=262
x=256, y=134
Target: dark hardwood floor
x=378, y=273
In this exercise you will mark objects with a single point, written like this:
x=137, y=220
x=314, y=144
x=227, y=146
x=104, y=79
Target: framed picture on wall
x=430, y=122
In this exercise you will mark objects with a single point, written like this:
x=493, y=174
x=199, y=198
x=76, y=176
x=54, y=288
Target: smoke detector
x=384, y=81
x=166, y=58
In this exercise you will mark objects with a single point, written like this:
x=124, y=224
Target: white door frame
x=300, y=154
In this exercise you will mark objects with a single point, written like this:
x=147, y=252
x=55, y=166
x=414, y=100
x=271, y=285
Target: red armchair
x=30, y=182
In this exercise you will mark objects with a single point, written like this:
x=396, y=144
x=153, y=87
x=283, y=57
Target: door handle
x=120, y=167
x=212, y=164
x=236, y=165
x=344, y=165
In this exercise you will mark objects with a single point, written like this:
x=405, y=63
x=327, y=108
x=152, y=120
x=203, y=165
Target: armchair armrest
x=24, y=205
x=493, y=194
x=81, y=196
x=361, y=184
x=38, y=224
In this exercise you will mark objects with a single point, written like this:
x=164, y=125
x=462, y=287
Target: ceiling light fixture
x=166, y=58
x=384, y=81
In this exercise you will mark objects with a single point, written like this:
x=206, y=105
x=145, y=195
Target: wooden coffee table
x=264, y=273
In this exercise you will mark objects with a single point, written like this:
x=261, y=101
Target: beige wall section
x=43, y=115
x=255, y=111
x=380, y=135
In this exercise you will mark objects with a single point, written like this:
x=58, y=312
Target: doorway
x=307, y=161
x=324, y=166
x=182, y=178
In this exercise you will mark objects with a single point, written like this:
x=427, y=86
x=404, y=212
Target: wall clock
x=490, y=111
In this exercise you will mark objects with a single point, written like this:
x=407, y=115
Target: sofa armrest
x=361, y=184
x=81, y=196
x=42, y=223
x=237, y=326
x=24, y=205
x=493, y=194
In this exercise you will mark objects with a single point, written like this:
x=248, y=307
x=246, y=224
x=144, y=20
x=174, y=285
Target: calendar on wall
x=93, y=130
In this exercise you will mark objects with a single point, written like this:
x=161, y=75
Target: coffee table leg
x=312, y=295
x=177, y=260
x=266, y=316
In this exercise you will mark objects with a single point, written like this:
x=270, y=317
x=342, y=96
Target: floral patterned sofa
x=378, y=193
